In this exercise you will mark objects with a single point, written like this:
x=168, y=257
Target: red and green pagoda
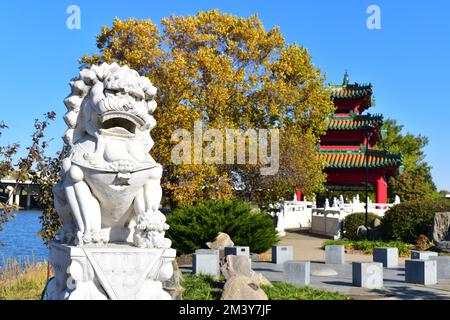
x=343, y=148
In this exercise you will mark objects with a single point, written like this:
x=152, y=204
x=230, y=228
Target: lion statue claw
x=110, y=185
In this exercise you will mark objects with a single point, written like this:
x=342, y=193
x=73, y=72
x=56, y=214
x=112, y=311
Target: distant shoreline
x=21, y=208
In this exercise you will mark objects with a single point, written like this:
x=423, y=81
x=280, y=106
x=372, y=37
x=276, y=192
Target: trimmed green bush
x=192, y=226
x=353, y=221
x=408, y=220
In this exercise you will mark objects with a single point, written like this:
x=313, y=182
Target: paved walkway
x=309, y=247
x=394, y=283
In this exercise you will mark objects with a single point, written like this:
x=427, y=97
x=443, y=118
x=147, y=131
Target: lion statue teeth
x=110, y=185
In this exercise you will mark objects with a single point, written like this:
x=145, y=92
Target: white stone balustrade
x=324, y=221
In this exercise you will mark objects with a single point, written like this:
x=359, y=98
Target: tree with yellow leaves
x=226, y=72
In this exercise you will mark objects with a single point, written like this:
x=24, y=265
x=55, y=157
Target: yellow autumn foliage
x=227, y=72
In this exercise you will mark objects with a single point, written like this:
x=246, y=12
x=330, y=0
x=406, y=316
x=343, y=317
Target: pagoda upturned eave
x=351, y=91
x=351, y=159
x=352, y=97
x=354, y=122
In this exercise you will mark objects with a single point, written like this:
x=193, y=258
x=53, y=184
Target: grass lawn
x=22, y=281
x=286, y=291
x=27, y=283
x=201, y=287
x=366, y=246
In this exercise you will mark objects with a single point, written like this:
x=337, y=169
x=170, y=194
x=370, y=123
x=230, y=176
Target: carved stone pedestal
x=112, y=271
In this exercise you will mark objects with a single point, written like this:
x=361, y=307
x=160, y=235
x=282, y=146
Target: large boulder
x=242, y=288
x=260, y=280
x=441, y=225
x=173, y=285
x=236, y=266
x=222, y=240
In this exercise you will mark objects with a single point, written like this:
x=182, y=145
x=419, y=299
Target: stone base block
x=237, y=251
x=367, y=275
x=387, y=256
x=206, y=261
x=281, y=254
x=422, y=255
x=109, y=272
x=443, y=266
x=297, y=272
x=334, y=254
x=421, y=271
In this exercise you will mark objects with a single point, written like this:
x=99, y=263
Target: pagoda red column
x=299, y=194
x=381, y=190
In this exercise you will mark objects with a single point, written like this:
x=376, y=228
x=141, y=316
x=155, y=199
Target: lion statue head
x=109, y=102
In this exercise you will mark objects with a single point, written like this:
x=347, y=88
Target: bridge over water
x=18, y=193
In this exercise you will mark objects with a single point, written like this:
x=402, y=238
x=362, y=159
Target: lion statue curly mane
x=110, y=185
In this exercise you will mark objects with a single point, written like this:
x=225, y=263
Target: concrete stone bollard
x=421, y=271
x=422, y=255
x=367, y=275
x=387, y=256
x=206, y=261
x=334, y=254
x=443, y=266
x=237, y=251
x=297, y=272
x=281, y=254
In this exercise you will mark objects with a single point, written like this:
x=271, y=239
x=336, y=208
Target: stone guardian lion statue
x=110, y=185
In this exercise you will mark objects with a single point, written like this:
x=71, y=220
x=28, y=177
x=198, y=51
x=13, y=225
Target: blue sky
x=407, y=61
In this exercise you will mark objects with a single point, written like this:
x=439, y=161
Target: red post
x=381, y=190
x=299, y=194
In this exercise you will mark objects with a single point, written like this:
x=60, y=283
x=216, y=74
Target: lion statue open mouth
x=110, y=185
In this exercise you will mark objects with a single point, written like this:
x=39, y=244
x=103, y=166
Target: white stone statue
x=335, y=203
x=111, y=244
x=110, y=187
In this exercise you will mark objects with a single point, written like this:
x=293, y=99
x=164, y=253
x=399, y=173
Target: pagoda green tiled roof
x=347, y=159
x=350, y=91
x=357, y=122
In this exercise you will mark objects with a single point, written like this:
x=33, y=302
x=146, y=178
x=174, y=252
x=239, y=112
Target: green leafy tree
x=415, y=182
x=32, y=166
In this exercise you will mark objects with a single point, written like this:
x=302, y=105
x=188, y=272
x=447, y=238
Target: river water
x=20, y=240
